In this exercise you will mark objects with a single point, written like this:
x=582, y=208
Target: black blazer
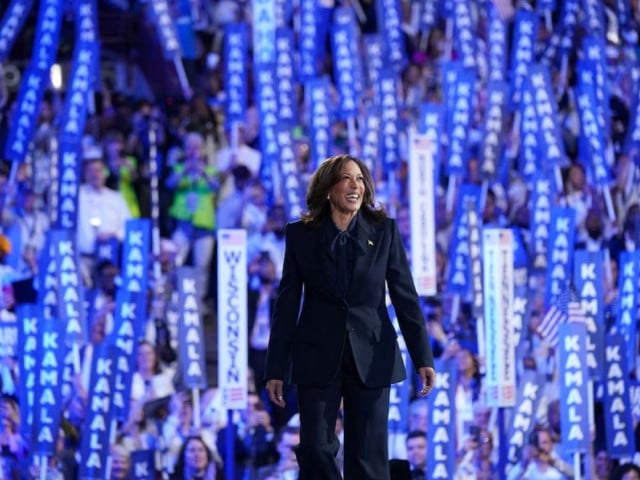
x=310, y=337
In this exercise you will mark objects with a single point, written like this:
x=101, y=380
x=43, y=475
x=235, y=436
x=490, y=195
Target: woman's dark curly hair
x=325, y=177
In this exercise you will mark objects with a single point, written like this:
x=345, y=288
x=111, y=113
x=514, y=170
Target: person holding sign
x=340, y=341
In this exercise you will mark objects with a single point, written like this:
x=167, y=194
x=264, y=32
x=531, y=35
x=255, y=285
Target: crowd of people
x=207, y=182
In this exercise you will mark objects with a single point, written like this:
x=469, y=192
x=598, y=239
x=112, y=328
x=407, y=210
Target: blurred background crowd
x=205, y=185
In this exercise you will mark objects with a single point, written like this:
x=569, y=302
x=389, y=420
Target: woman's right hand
x=275, y=388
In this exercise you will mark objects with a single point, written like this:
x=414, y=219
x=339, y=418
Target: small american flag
x=565, y=307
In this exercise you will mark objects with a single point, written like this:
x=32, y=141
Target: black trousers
x=366, y=413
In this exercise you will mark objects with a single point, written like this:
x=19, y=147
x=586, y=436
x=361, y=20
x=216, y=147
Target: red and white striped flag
x=566, y=307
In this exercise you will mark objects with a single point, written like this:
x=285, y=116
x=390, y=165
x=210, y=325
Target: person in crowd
x=123, y=170
x=195, y=461
x=254, y=215
x=543, y=463
x=468, y=390
x=254, y=438
x=286, y=467
x=149, y=381
x=120, y=462
x=102, y=214
x=417, y=454
x=100, y=299
x=626, y=471
x=179, y=426
x=272, y=239
x=343, y=253
x=26, y=229
x=603, y=465
x=194, y=185
x=418, y=420
x=261, y=295
x=580, y=196
x=13, y=448
x=474, y=459
x=259, y=436
x=229, y=213
x=8, y=275
x=231, y=156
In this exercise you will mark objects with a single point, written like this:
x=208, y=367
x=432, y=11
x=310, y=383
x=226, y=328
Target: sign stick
x=182, y=76
x=448, y=53
x=357, y=8
x=606, y=194
x=43, y=465
x=197, y=421
x=352, y=136
x=451, y=192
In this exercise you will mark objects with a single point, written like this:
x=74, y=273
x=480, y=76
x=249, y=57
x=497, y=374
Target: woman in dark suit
x=338, y=341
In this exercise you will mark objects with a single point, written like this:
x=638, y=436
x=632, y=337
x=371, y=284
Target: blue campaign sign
x=627, y=318
x=574, y=385
x=441, y=455
x=267, y=103
x=48, y=398
x=560, y=252
x=374, y=61
x=551, y=146
x=587, y=281
x=429, y=14
x=617, y=400
x=399, y=393
x=291, y=185
x=307, y=39
x=142, y=465
x=464, y=33
x=459, y=275
x=192, y=352
x=28, y=320
x=11, y=24
x=69, y=286
x=69, y=158
x=393, y=43
x=371, y=142
x=345, y=61
x=541, y=201
x=495, y=117
x=94, y=447
x=528, y=161
x=286, y=77
x=497, y=45
x=459, y=122
x=320, y=119
x=523, y=419
x=264, y=31
x=523, y=51
x=161, y=14
x=23, y=125
x=390, y=111
x=235, y=72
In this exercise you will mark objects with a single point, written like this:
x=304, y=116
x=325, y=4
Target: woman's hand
x=428, y=377
x=275, y=389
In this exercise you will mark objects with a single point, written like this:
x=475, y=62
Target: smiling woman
x=343, y=253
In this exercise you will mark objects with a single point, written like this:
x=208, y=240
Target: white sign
x=500, y=379
x=232, y=317
x=422, y=212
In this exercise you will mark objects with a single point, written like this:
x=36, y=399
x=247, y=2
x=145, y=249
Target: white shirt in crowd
x=99, y=211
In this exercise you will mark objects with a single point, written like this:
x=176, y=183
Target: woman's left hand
x=428, y=377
